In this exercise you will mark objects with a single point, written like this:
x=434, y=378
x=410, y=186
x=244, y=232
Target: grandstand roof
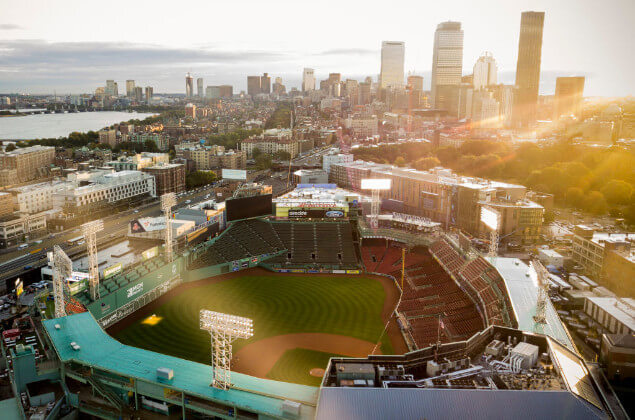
x=412, y=403
x=100, y=350
x=522, y=287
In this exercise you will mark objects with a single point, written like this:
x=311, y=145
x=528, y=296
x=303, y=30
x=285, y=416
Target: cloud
x=348, y=51
x=9, y=26
x=37, y=54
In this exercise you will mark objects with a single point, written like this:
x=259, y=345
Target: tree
x=595, y=203
x=400, y=161
x=10, y=147
x=150, y=146
x=574, y=197
x=199, y=178
x=256, y=152
x=425, y=163
x=617, y=192
x=263, y=162
x=282, y=155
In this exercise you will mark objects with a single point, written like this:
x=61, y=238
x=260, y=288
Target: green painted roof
x=102, y=351
x=522, y=287
x=10, y=409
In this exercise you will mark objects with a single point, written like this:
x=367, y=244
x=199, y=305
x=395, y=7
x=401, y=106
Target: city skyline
x=40, y=57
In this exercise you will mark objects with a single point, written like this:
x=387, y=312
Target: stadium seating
x=319, y=243
x=429, y=293
x=243, y=239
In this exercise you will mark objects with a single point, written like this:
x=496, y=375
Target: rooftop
x=522, y=287
x=100, y=350
x=622, y=309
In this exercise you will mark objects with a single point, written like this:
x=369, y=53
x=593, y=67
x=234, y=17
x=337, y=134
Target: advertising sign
x=150, y=253
x=147, y=224
x=309, y=213
x=237, y=174
x=112, y=270
x=243, y=208
x=19, y=287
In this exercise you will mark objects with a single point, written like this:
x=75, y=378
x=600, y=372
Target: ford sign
x=334, y=213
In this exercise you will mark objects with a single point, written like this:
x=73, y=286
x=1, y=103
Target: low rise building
x=6, y=204
x=270, y=145
x=606, y=257
x=25, y=164
x=211, y=157
x=19, y=228
x=615, y=315
x=138, y=161
x=168, y=177
x=310, y=176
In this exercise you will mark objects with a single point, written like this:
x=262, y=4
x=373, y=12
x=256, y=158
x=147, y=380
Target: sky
x=74, y=46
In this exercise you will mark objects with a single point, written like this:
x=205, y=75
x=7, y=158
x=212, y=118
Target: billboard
x=147, y=224
x=150, y=253
x=237, y=174
x=375, y=184
x=310, y=213
x=112, y=270
x=490, y=217
x=244, y=208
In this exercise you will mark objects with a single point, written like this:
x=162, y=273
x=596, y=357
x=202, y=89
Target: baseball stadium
x=304, y=282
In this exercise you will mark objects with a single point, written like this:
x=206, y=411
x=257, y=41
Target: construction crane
x=542, y=276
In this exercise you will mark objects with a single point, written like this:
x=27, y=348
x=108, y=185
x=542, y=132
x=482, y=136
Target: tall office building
x=130, y=92
x=308, y=79
x=149, y=93
x=392, y=64
x=485, y=72
x=199, y=87
x=447, y=62
x=189, y=86
x=569, y=94
x=111, y=88
x=265, y=83
x=415, y=82
x=528, y=68
x=253, y=85
x=364, y=93
x=138, y=94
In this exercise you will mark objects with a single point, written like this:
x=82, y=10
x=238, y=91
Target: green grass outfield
x=295, y=365
x=278, y=304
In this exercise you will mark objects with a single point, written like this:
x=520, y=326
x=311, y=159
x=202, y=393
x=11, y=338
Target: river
x=60, y=125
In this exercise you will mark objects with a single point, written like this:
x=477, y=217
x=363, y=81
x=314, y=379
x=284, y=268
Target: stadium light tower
x=224, y=329
x=375, y=185
x=491, y=219
x=542, y=277
x=168, y=201
x=62, y=269
x=90, y=230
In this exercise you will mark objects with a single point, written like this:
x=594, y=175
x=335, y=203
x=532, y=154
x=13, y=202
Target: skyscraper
x=528, y=68
x=189, y=86
x=130, y=88
x=265, y=83
x=447, y=61
x=138, y=94
x=485, y=72
x=392, y=64
x=253, y=85
x=308, y=80
x=199, y=87
x=149, y=93
x=111, y=88
x=569, y=94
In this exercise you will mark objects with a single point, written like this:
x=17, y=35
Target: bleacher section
x=429, y=294
x=315, y=243
x=478, y=279
x=243, y=239
x=118, y=281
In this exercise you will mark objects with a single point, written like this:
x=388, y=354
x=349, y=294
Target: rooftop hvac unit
x=291, y=407
x=527, y=352
x=165, y=373
x=495, y=348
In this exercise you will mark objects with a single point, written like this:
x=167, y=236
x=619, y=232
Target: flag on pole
x=441, y=325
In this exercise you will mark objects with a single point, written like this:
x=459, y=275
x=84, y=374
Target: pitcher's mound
x=318, y=372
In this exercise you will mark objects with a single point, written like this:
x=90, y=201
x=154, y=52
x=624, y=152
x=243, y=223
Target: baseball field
x=299, y=321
